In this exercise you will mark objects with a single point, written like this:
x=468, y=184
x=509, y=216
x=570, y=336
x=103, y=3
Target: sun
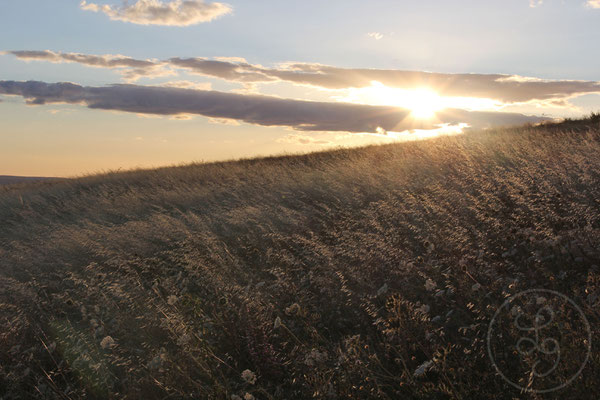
x=423, y=103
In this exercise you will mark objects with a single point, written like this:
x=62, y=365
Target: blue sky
x=548, y=40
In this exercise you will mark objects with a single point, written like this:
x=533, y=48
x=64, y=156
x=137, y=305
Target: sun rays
x=423, y=102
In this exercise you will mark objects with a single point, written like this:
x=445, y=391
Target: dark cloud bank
x=254, y=109
x=502, y=87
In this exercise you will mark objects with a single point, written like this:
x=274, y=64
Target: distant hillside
x=7, y=180
x=370, y=273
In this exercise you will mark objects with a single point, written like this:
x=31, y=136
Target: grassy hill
x=10, y=180
x=355, y=273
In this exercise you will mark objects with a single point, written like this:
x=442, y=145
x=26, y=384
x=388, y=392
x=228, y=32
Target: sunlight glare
x=422, y=102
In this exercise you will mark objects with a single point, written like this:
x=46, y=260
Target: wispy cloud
x=240, y=71
x=188, y=85
x=535, y=3
x=130, y=68
x=375, y=35
x=157, y=12
x=593, y=3
x=507, y=89
x=106, y=61
x=302, y=139
x=253, y=109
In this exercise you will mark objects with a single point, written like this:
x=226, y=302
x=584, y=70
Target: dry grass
x=329, y=275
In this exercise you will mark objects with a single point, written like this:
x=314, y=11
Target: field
x=354, y=273
x=11, y=180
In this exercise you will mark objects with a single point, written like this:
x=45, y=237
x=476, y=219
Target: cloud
x=105, y=61
x=535, y=3
x=188, y=85
x=508, y=89
x=375, y=35
x=224, y=69
x=328, y=139
x=131, y=69
x=305, y=139
x=593, y=3
x=505, y=88
x=253, y=109
x=157, y=12
x=502, y=87
x=224, y=121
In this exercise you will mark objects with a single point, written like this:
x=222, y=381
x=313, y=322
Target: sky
x=91, y=86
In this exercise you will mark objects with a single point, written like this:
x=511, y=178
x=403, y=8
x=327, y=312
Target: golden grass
x=330, y=275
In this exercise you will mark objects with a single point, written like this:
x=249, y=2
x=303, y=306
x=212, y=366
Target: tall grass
x=355, y=273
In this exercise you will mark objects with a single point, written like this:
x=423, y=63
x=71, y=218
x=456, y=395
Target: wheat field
x=355, y=273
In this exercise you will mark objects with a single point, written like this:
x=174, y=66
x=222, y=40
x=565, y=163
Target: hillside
x=355, y=273
x=9, y=180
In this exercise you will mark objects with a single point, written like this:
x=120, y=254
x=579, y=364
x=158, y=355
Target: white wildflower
x=430, y=247
x=277, y=323
x=321, y=356
x=382, y=289
x=315, y=357
x=249, y=376
x=107, y=343
x=422, y=369
x=318, y=355
x=424, y=309
x=430, y=285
